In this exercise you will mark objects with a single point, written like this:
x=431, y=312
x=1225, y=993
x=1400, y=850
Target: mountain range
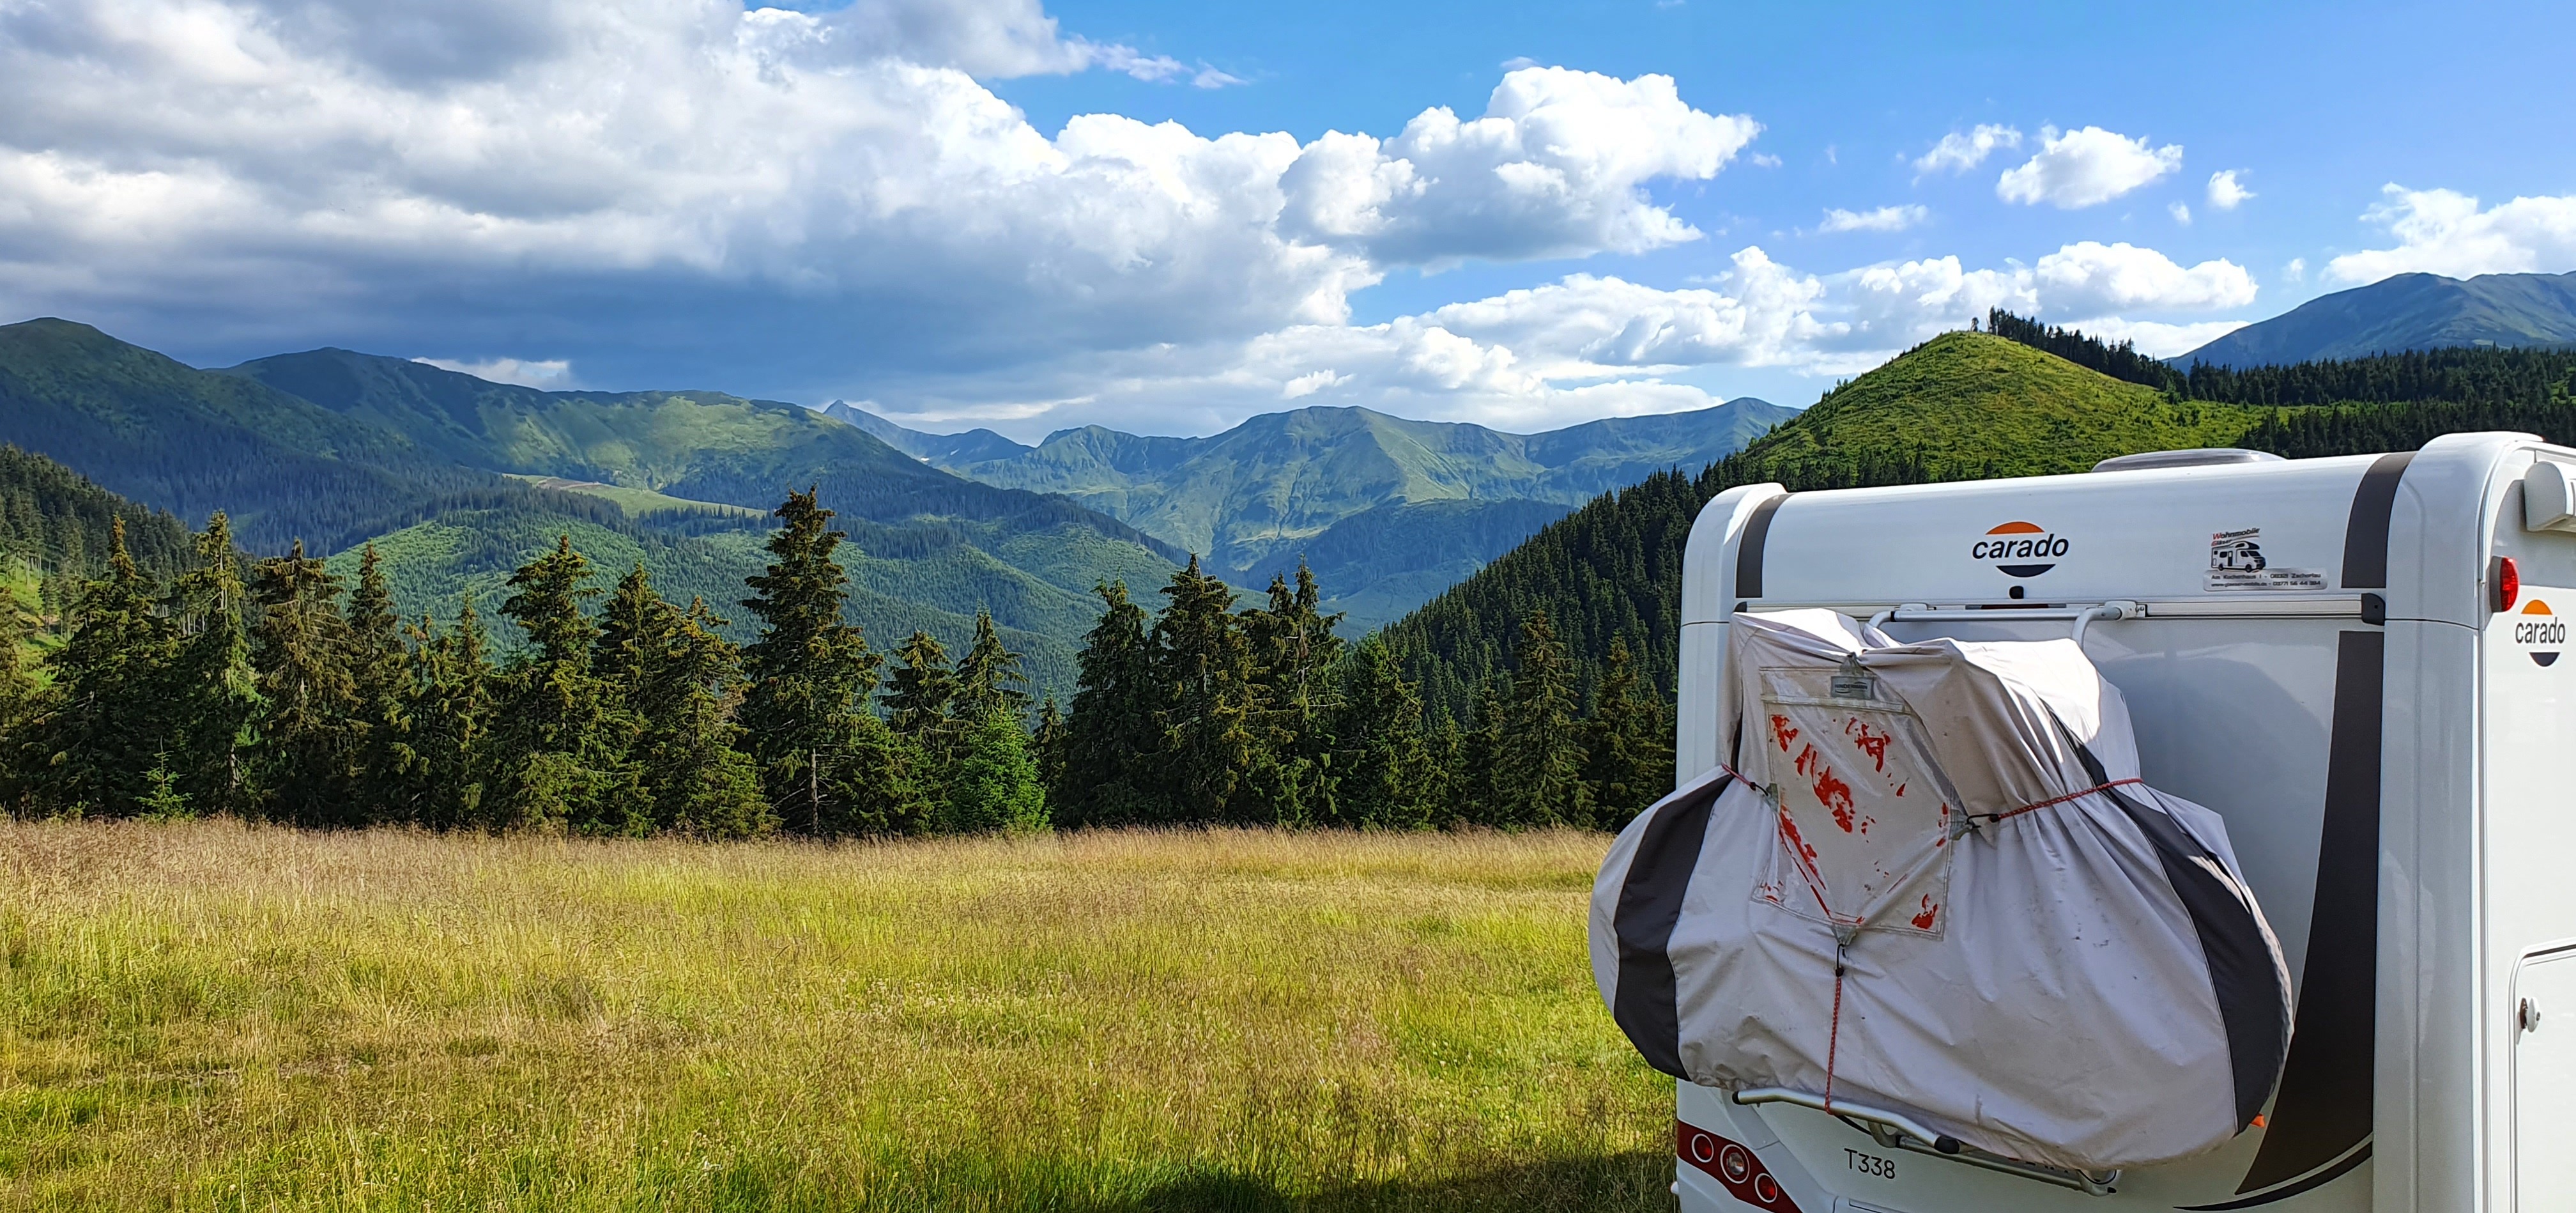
x=2406, y=312
x=456, y=480
x=1387, y=511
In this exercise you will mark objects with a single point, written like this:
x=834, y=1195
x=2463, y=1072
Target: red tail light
x=2508, y=584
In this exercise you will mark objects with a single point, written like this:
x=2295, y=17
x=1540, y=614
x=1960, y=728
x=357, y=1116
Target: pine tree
x=1382, y=764
x=379, y=669
x=1538, y=757
x=921, y=692
x=993, y=783
x=827, y=764
x=309, y=741
x=1475, y=796
x=1293, y=647
x=1109, y=767
x=989, y=678
x=1205, y=668
x=441, y=750
x=690, y=750
x=214, y=687
x=1047, y=745
x=1630, y=762
x=558, y=756
x=102, y=728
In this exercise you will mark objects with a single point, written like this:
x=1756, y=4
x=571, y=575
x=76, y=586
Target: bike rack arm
x=1896, y=1130
x=2083, y=616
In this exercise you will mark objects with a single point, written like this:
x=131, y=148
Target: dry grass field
x=213, y=1016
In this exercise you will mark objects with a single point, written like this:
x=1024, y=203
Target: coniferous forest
x=210, y=682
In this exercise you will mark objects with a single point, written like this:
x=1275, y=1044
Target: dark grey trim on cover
x=2365, y=533
x=2251, y=1002
x=1748, y=551
x=2324, y=1107
x=1647, y=1003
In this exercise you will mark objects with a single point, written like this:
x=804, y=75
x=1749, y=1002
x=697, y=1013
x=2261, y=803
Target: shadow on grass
x=1638, y=1181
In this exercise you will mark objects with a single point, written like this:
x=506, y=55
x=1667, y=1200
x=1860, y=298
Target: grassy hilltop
x=207, y=1015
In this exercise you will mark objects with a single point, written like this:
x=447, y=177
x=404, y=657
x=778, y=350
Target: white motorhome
x=2334, y=655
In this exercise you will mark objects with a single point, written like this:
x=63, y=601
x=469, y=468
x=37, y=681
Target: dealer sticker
x=2236, y=562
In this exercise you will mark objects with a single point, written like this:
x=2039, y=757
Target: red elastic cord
x=2099, y=787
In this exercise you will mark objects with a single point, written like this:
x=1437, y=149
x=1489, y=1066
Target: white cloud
x=1879, y=219
x=1957, y=153
x=1587, y=345
x=2445, y=232
x=2180, y=212
x=803, y=193
x=552, y=375
x=2087, y=167
x=2225, y=191
x=2089, y=278
x=1554, y=168
x=2296, y=270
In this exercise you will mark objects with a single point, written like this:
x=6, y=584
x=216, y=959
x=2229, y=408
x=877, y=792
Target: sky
x=1169, y=217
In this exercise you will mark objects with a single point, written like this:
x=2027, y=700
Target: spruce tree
x=310, y=739
x=993, y=782
x=214, y=687
x=1293, y=647
x=827, y=764
x=102, y=727
x=558, y=748
x=1109, y=765
x=1046, y=744
x=1204, y=666
x=1539, y=757
x=920, y=693
x=379, y=667
x=690, y=749
x=442, y=748
x=1382, y=764
x=989, y=678
x=1630, y=761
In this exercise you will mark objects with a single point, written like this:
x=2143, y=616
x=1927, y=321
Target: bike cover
x=1933, y=882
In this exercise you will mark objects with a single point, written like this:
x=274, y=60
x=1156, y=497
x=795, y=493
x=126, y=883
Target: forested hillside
x=1963, y=406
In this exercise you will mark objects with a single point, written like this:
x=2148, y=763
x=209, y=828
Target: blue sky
x=973, y=212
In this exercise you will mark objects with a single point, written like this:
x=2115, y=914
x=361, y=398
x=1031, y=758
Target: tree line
x=268, y=689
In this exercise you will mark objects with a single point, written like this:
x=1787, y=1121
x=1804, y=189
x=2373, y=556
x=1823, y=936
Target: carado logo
x=2030, y=548
x=2540, y=632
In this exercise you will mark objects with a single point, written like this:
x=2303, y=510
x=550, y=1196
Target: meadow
x=213, y=1015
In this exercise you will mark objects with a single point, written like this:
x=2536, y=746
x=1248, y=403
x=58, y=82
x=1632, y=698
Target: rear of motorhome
x=2356, y=663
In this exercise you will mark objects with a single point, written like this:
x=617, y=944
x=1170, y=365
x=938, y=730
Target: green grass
x=206, y=1015
x=639, y=503
x=1979, y=405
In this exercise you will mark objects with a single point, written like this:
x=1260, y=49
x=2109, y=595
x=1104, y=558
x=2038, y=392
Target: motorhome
x=2355, y=662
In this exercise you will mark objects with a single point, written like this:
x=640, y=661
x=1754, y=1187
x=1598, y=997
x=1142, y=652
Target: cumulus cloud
x=1879, y=219
x=2089, y=278
x=1587, y=345
x=820, y=196
x=2446, y=232
x=1555, y=167
x=553, y=374
x=1957, y=153
x=2180, y=211
x=2225, y=191
x=2088, y=167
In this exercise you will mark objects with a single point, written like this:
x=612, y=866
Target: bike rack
x=1897, y=1131
x=2083, y=616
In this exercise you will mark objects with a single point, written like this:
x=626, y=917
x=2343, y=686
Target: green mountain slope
x=1962, y=406
x=175, y=438
x=2406, y=312
x=1257, y=497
